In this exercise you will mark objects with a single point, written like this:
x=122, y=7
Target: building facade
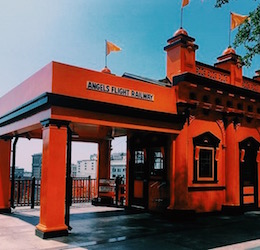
x=86, y=168
x=36, y=165
x=118, y=165
x=193, y=138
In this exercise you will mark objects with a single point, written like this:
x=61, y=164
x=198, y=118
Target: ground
x=112, y=228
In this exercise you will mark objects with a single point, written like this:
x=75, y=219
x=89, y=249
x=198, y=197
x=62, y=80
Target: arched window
x=206, y=153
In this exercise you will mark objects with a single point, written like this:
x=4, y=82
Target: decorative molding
x=55, y=122
x=221, y=125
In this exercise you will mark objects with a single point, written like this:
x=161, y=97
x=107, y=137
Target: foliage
x=248, y=34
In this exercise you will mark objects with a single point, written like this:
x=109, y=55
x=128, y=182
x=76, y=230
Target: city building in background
x=86, y=168
x=118, y=165
x=20, y=173
x=36, y=165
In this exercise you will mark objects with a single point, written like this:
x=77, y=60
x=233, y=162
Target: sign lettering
x=105, y=88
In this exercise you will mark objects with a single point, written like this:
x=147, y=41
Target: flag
x=236, y=20
x=185, y=2
x=111, y=47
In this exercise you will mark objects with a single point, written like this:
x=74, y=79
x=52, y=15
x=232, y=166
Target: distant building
x=73, y=170
x=27, y=174
x=118, y=165
x=19, y=172
x=87, y=168
x=36, y=165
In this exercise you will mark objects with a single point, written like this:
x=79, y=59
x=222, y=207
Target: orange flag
x=236, y=20
x=111, y=47
x=185, y=2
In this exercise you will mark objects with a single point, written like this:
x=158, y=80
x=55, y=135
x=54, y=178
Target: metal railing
x=27, y=191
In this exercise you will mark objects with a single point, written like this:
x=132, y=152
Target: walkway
x=112, y=228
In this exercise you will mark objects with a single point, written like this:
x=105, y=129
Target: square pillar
x=53, y=184
x=104, y=150
x=5, y=152
x=232, y=168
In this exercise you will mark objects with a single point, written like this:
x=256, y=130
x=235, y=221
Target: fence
x=27, y=191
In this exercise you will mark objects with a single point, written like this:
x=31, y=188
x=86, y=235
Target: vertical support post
x=19, y=191
x=68, y=180
x=33, y=193
x=89, y=188
x=53, y=180
x=13, y=171
x=5, y=149
x=117, y=189
x=127, y=176
x=104, y=148
x=172, y=172
x=232, y=168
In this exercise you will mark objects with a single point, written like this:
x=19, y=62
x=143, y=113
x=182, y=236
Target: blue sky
x=33, y=33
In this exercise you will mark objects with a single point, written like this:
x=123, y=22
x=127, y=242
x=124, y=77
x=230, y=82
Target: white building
x=118, y=165
x=86, y=168
x=74, y=170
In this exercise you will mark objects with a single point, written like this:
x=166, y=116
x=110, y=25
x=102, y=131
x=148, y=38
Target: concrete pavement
x=113, y=228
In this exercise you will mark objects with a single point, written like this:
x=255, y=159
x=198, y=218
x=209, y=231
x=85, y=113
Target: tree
x=248, y=34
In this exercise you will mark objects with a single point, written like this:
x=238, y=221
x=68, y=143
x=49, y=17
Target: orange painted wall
x=5, y=151
x=34, y=86
x=181, y=171
x=72, y=81
x=184, y=167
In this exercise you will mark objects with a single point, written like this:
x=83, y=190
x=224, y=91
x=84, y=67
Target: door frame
x=248, y=148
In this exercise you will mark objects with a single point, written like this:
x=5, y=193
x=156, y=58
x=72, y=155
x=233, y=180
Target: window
x=158, y=160
x=205, y=164
x=205, y=158
x=139, y=157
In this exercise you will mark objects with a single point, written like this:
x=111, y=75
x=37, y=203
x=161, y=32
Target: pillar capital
x=55, y=122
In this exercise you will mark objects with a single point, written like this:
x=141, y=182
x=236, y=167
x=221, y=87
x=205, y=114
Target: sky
x=34, y=33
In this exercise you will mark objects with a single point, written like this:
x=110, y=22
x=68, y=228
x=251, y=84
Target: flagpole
x=229, y=39
x=181, y=15
x=105, y=53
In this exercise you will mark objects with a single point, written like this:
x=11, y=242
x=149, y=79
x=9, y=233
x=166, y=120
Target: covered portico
x=60, y=104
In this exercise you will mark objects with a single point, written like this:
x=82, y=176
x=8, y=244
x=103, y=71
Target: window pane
x=139, y=157
x=205, y=163
x=158, y=160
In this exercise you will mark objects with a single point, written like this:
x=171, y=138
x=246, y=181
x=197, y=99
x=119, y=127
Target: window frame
x=212, y=178
x=209, y=142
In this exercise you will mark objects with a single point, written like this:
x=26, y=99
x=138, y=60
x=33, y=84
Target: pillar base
x=5, y=210
x=52, y=234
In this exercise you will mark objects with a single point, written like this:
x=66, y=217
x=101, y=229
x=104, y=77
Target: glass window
x=139, y=157
x=206, y=154
x=205, y=164
x=158, y=160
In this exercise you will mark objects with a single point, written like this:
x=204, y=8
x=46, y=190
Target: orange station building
x=193, y=138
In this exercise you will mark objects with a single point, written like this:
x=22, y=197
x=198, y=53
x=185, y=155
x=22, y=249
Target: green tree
x=248, y=34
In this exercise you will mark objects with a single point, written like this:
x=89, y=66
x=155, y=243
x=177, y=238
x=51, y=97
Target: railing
x=83, y=189
x=27, y=191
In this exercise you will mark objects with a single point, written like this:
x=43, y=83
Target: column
x=5, y=152
x=171, y=171
x=53, y=185
x=104, y=148
x=232, y=168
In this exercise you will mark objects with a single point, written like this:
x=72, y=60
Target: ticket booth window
x=206, y=151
